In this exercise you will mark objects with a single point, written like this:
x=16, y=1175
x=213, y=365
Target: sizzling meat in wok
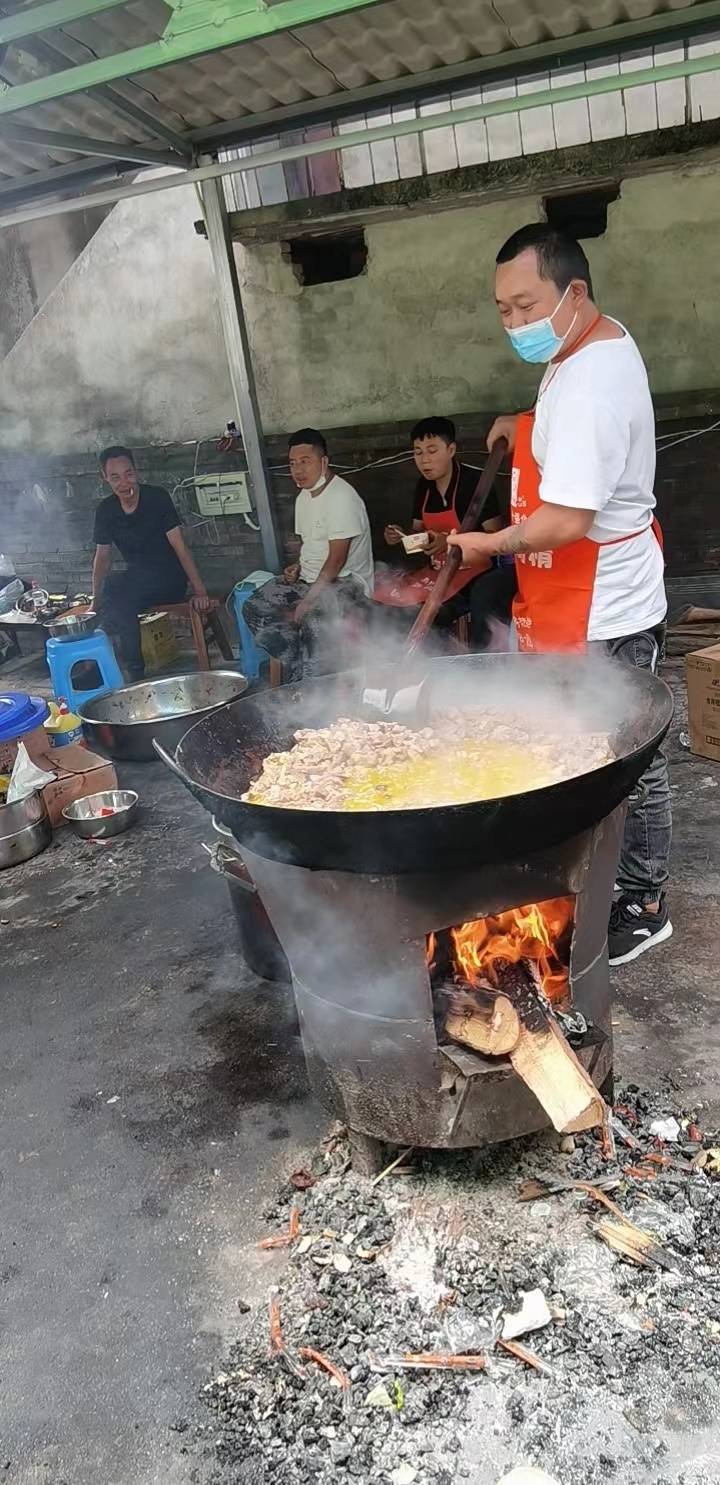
x=465, y=756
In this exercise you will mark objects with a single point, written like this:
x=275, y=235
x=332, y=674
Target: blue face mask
x=538, y=342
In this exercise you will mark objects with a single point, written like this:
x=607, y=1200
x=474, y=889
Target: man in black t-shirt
x=143, y=524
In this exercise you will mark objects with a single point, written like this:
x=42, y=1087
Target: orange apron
x=411, y=588
x=555, y=589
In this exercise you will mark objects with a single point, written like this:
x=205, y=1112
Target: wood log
x=484, y=1021
x=546, y=1062
x=695, y=614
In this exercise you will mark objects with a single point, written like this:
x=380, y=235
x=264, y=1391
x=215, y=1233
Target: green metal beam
x=46, y=17
x=59, y=178
x=50, y=53
x=449, y=118
x=147, y=120
x=110, y=149
x=194, y=30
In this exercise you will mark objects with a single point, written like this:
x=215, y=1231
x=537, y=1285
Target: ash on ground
x=431, y=1262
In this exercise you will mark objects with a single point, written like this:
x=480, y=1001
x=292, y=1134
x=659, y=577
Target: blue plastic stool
x=64, y=654
x=251, y=655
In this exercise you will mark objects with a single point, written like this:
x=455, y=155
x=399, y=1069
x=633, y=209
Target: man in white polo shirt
x=586, y=543
x=299, y=617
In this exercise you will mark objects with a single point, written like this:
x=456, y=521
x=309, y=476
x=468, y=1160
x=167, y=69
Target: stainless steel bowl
x=72, y=626
x=85, y=819
x=124, y=723
x=25, y=830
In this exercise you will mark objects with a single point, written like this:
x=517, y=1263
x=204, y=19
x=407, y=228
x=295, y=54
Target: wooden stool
x=198, y=622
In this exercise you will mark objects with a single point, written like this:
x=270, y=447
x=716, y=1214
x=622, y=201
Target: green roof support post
x=237, y=346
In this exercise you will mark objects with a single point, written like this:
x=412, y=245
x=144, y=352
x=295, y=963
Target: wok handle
x=171, y=763
x=429, y=610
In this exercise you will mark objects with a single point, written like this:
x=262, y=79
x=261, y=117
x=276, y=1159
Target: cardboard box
x=79, y=773
x=157, y=638
x=35, y=743
x=702, y=669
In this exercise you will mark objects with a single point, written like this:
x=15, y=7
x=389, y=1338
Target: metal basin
x=86, y=819
x=72, y=626
x=25, y=830
x=124, y=723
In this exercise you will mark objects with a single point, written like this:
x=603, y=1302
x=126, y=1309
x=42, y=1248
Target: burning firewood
x=483, y=1020
x=545, y=1060
x=514, y=1020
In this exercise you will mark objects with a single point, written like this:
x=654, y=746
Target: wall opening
x=329, y=258
x=581, y=213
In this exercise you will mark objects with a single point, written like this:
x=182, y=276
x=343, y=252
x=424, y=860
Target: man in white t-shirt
x=300, y=617
x=586, y=543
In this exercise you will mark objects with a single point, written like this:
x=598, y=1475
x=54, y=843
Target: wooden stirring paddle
x=391, y=700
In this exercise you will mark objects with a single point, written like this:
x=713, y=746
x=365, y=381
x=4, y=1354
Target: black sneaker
x=632, y=930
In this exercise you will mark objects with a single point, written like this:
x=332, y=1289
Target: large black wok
x=219, y=757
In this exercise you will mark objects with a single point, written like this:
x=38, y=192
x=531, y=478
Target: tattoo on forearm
x=512, y=541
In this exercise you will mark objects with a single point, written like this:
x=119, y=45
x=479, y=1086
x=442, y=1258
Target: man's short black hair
x=116, y=451
x=311, y=436
x=559, y=256
x=443, y=428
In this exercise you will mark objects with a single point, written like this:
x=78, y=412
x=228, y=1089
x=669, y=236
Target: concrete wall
x=419, y=330
x=34, y=258
x=128, y=346
x=47, y=505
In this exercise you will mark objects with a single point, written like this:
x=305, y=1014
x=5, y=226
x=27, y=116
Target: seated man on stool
x=142, y=522
x=300, y=617
x=443, y=493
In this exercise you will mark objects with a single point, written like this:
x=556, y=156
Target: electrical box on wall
x=223, y=494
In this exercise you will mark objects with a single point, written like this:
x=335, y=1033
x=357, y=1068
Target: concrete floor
x=668, y=1001
x=153, y=1096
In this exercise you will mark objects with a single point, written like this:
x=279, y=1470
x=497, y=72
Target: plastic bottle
x=63, y=726
x=7, y=567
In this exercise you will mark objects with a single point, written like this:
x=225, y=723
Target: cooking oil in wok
x=473, y=771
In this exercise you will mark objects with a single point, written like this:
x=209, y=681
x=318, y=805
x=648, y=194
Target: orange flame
x=538, y=932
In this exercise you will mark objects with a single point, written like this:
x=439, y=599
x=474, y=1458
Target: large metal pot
x=124, y=723
x=25, y=830
x=259, y=942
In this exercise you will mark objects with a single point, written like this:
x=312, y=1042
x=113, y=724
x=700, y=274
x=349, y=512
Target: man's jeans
x=315, y=646
x=126, y=594
x=643, y=869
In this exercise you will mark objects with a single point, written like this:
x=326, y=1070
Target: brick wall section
x=50, y=538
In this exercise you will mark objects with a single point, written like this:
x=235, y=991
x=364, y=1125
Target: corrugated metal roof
x=321, y=61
